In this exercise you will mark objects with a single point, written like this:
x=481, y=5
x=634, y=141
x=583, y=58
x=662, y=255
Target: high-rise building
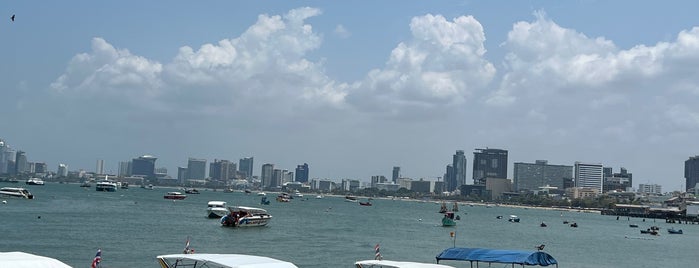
x=266, y=175
x=276, y=181
x=621, y=181
x=99, y=168
x=4, y=156
x=143, y=166
x=650, y=189
x=302, y=173
x=245, y=165
x=196, y=169
x=589, y=176
x=62, y=170
x=457, y=176
x=529, y=177
x=691, y=173
x=20, y=162
x=222, y=170
x=396, y=174
x=489, y=163
x=124, y=169
x=181, y=174
x=40, y=168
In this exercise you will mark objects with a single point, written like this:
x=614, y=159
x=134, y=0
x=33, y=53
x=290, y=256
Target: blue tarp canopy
x=522, y=257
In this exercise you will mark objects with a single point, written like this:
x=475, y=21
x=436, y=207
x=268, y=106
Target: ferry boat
x=16, y=192
x=106, y=186
x=216, y=209
x=221, y=261
x=175, y=195
x=35, y=181
x=245, y=217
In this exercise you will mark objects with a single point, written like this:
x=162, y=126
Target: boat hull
x=254, y=221
x=175, y=197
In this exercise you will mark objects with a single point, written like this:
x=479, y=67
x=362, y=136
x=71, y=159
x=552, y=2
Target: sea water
x=133, y=226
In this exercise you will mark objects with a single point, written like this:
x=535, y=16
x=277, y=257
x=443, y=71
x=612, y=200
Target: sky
x=353, y=88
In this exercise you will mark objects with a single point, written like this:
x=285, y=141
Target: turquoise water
x=133, y=226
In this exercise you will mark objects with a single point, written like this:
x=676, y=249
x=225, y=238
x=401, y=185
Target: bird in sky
x=13, y=17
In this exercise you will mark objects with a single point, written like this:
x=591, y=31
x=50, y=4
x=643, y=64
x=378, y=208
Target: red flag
x=98, y=258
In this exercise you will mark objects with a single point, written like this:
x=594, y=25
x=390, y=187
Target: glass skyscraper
x=489, y=163
x=691, y=172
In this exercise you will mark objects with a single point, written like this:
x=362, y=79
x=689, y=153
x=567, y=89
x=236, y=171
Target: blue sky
x=353, y=88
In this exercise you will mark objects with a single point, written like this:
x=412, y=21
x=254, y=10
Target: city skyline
x=351, y=88
x=459, y=156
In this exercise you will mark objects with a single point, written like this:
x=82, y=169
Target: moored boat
x=22, y=259
x=367, y=203
x=350, y=198
x=245, y=217
x=175, y=196
x=513, y=218
x=34, y=181
x=16, y=192
x=221, y=261
x=216, y=209
x=448, y=219
x=485, y=255
x=673, y=231
x=191, y=191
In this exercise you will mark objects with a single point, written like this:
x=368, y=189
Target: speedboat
x=191, y=191
x=261, y=194
x=216, y=209
x=175, y=196
x=106, y=186
x=22, y=259
x=221, y=261
x=350, y=198
x=673, y=231
x=396, y=264
x=35, y=181
x=298, y=194
x=245, y=217
x=513, y=218
x=16, y=192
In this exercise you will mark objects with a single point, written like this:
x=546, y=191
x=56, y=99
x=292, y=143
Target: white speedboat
x=298, y=194
x=245, y=217
x=106, y=186
x=22, y=259
x=513, y=218
x=397, y=264
x=35, y=181
x=261, y=194
x=216, y=209
x=16, y=192
x=221, y=261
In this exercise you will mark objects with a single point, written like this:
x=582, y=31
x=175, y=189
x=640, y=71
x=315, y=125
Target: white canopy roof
x=397, y=264
x=25, y=260
x=224, y=261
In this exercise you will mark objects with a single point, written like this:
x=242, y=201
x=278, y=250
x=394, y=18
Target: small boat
x=350, y=198
x=34, y=181
x=220, y=261
x=124, y=185
x=498, y=217
x=633, y=225
x=247, y=191
x=319, y=197
x=455, y=208
x=261, y=194
x=264, y=201
x=513, y=218
x=283, y=197
x=574, y=225
x=543, y=224
x=673, y=231
x=245, y=217
x=650, y=231
x=191, y=191
x=106, y=186
x=297, y=194
x=448, y=219
x=216, y=209
x=443, y=208
x=367, y=203
x=396, y=264
x=175, y=195
x=86, y=184
x=16, y=192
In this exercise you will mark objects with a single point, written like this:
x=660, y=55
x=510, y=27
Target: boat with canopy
x=478, y=255
x=221, y=261
x=19, y=259
x=396, y=264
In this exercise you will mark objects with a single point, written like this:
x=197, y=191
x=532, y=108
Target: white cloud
x=440, y=66
x=342, y=32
